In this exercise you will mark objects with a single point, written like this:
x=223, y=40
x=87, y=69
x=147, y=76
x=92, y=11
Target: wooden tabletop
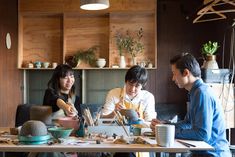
x=106, y=146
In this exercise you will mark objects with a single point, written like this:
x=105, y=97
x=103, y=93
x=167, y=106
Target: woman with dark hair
x=60, y=94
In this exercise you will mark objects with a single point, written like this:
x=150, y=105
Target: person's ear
x=186, y=72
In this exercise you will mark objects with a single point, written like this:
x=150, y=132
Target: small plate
x=33, y=142
x=34, y=138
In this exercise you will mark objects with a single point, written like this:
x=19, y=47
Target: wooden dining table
x=75, y=144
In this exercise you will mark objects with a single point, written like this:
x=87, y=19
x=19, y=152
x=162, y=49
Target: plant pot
x=71, y=61
x=210, y=62
x=134, y=61
x=122, y=63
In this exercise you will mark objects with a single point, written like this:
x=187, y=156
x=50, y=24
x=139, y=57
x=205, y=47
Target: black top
x=51, y=96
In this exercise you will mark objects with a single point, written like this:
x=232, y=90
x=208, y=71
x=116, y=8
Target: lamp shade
x=94, y=4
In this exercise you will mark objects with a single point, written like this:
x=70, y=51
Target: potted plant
x=209, y=50
x=130, y=43
x=87, y=56
x=121, y=43
x=70, y=60
x=136, y=47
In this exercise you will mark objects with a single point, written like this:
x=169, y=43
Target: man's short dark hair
x=186, y=61
x=137, y=74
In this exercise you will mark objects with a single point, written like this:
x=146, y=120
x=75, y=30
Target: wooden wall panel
x=60, y=6
x=42, y=35
x=121, y=23
x=177, y=34
x=10, y=76
x=84, y=32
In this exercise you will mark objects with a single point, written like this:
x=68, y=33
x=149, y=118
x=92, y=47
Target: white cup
x=54, y=65
x=45, y=64
x=165, y=135
x=100, y=62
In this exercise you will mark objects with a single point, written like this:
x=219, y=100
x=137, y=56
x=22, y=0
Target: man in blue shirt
x=204, y=120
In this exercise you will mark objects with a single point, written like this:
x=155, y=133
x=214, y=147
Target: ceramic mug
x=136, y=131
x=150, y=65
x=38, y=64
x=54, y=65
x=46, y=64
x=30, y=65
x=165, y=135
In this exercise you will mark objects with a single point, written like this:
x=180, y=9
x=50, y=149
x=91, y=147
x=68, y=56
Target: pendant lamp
x=94, y=4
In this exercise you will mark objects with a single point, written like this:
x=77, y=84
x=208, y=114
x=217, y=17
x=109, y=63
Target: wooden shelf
x=83, y=32
x=91, y=68
x=132, y=23
x=41, y=39
x=50, y=32
x=37, y=68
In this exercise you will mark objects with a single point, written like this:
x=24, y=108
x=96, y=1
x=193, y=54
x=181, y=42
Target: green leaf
x=210, y=48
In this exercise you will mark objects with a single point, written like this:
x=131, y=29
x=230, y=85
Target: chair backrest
x=25, y=112
x=22, y=114
x=230, y=136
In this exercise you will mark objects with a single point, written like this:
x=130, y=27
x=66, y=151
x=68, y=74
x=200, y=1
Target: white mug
x=54, y=65
x=165, y=135
x=45, y=64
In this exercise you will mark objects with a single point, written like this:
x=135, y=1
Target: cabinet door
x=225, y=93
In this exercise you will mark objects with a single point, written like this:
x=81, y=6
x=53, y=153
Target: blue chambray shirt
x=204, y=120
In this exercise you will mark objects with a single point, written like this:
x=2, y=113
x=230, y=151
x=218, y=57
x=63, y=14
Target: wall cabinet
x=49, y=33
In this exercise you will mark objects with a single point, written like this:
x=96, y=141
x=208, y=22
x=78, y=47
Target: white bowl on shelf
x=45, y=64
x=100, y=62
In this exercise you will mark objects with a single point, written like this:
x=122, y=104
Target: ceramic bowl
x=130, y=114
x=69, y=122
x=60, y=132
x=101, y=62
x=38, y=64
x=33, y=132
x=33, y=128
x=46, y=64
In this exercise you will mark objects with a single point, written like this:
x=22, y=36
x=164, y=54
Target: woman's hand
x=70, y=110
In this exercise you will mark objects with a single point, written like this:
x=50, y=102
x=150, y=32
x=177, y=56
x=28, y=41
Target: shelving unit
x=41, y=38
x=52, y=32
x=133, y=21
x=85, y=31
x=225, y=94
